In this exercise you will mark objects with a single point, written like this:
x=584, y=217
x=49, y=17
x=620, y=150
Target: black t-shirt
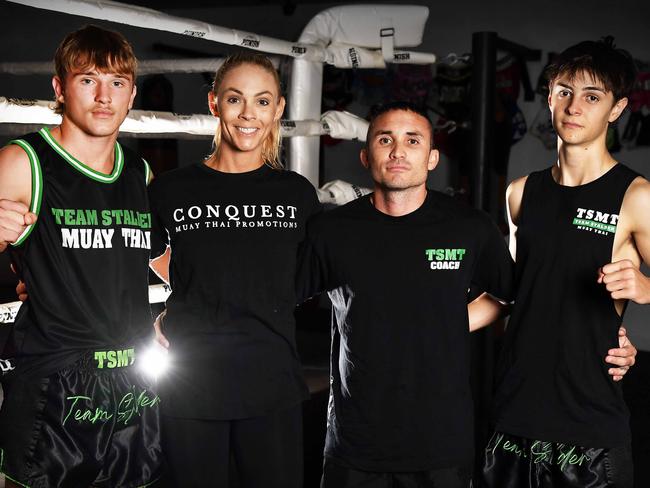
x=400, y=391
x=553, y=381
x=85, y=261
x=234, y=240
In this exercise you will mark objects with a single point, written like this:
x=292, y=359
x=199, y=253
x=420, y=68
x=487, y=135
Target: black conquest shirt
x=234, y=240
x=85, y=261
x=554, y=384
x=400, y=393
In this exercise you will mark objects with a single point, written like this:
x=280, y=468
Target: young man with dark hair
x=73, y=206
x=579, y=231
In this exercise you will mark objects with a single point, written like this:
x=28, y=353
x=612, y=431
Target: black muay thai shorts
x=94, y=423
x=516, y=462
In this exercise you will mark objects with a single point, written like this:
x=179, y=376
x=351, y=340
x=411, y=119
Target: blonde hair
x=92, y=46
x=271, y=145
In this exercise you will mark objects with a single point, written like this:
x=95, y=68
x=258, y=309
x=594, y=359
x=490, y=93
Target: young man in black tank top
x=579, y=232
x=73, y=206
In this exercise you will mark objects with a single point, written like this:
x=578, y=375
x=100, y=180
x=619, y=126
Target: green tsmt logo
x=595, y=221
x=445, y=258
x=115, y=359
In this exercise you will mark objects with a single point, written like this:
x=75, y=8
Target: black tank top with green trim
x=85, y=260
x=553, y=380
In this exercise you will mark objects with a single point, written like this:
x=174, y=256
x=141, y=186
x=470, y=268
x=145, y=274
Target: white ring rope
x=337, y=124
x=340, y=55
x=146, y=67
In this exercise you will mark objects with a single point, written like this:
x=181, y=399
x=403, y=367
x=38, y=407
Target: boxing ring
x=367, y=36
x=347, y=37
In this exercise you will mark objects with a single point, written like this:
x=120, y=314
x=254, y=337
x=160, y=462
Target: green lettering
x=91, y=217
x=125, y=409
x=429, y=253
x=145, y=400
x=450, y=254
x=81, y=217
x=68, y=216
x=564, y=458
x=461, y=253
x=122, y=358
x=541, y=451
x=117, y=216
x=440, y=254
x=99, y=357
x=143, y=220
x=512, y=447
x=112, y=359
x=498, y=442
x=74, y=399
x=57, y=212
x=106, y=218
x=128, y=218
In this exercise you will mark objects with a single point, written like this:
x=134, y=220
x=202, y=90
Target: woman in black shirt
x=229, y=228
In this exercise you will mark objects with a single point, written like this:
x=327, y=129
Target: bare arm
x=484, y=310
x=160, y=265
x=622, y=278
x=514, y=194
x=15, y=194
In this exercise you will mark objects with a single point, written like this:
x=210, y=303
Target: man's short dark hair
x=378, y=110
x=601, y=60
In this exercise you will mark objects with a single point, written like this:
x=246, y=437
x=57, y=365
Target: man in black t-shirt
x=397, y=265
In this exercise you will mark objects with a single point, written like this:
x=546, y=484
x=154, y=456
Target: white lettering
x=70, y=238
x=136, y=238
x=601, y=217
x=213, y=211
x=107, y=235
x=85, y=238
x=125, y=235
x=177, y=219
x=445, y=264
x=98, y=242
x=197, y=212
x=232, y=212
